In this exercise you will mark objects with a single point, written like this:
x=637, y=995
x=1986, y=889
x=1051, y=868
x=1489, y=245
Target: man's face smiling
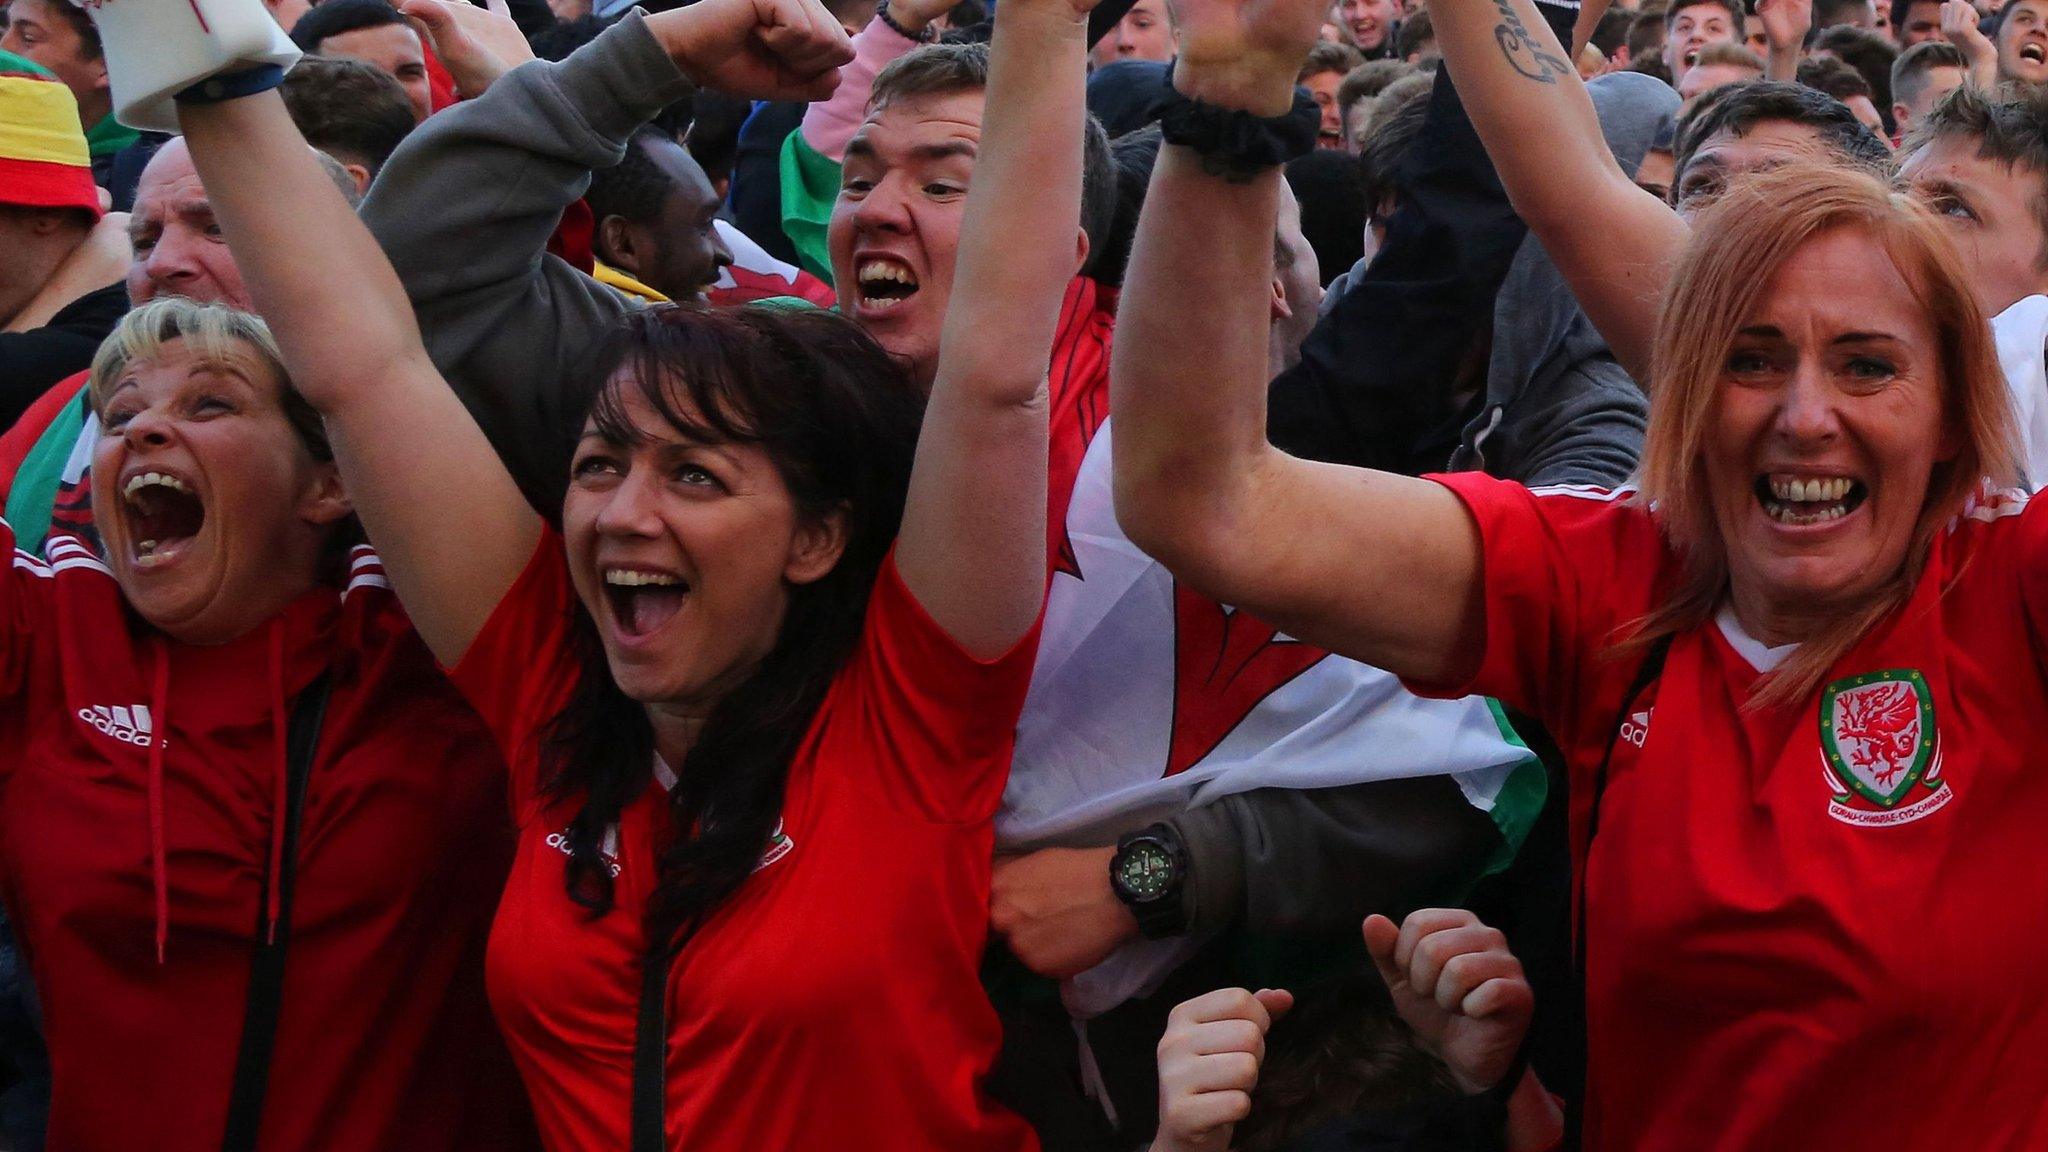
x=2023, y=42
x=1368, y=21
x=896, y=228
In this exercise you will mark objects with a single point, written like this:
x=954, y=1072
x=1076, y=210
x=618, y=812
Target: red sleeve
x=2032, y=567
x=520, y=670
x=1566, y=570
x=941, y=724
x=25, y=587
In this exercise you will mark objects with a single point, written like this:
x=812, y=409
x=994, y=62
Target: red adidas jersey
x=384, y=1038
x=1806, y=927
x=833, y=1002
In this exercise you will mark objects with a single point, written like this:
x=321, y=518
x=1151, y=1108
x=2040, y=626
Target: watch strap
x=1166, y=914
x=233, y=85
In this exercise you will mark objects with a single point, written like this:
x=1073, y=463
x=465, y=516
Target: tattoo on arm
x=1521, y=52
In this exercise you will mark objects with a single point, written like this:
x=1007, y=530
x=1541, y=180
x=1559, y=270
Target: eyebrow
x=1941, y=186
x=862, y=147
x=946, y=151
x=1773, y=332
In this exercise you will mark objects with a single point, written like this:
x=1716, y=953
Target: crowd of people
x=574, y=584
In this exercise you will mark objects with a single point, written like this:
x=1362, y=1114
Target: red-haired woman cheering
x=1796, y=675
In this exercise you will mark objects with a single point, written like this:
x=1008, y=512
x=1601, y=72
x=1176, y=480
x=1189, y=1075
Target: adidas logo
x=130, y=725
x=1636, y=729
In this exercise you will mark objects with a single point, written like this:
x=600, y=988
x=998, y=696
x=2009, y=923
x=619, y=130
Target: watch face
x=1144, y=870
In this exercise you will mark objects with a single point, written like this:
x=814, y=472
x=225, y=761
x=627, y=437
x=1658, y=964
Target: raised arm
x=1381, y=568
x=451, y=524
x=972, y=547
x=1615, y=243
x=1786, y=23
x=465, y=209
x=452, y=528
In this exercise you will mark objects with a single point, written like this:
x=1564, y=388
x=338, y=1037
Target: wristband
x=924, y=35
x=233, y=85
x=1235, y=144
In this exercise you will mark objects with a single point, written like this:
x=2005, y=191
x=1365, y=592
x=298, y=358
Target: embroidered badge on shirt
x=1880, y=749
x=779, y=845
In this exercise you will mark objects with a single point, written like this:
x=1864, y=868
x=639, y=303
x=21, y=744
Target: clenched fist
x=756, y=49
x=1209, y=1062
x=1244, y=54
x=1055, y=909
x=1454, y=981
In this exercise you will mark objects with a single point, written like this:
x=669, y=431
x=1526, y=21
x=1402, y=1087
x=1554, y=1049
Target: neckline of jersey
x=1759, y=655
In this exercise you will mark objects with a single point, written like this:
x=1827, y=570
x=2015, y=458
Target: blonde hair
x=213, y=333
x=1738, y=246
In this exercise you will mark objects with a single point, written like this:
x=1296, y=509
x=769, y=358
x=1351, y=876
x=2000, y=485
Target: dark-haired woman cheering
x=759, y=693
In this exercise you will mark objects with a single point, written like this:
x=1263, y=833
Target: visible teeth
x=146, y=547
x=1783, y=514
x=143, y=480
x=626, y=578
x=1816, y=491
x=886, y=270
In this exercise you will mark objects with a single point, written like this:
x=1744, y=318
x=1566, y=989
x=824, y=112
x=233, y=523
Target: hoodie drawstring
x=280, y=775
x=159, y=874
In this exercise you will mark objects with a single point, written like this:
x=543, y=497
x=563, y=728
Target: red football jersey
x=833, y=1002
x=384, y=1038
x=1806, y=927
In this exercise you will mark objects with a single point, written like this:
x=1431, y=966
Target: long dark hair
x=839, y=418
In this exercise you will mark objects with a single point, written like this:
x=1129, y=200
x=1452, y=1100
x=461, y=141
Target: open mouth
x=642, y=601
x=1691, y=58
x=885, y=283
x=163, y=514
x=1803, y=500
x=2034, y=53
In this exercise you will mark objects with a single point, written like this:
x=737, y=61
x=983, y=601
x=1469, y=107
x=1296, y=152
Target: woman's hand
x=1209, y=1062
x=756, y=49
x=1457, y=985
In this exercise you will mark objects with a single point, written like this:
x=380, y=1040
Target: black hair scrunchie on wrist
x=1235, y=144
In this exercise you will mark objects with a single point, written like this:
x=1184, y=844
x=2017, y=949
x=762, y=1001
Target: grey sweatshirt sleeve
x=464, y=210
x=1583, y=425
x=1292, y=862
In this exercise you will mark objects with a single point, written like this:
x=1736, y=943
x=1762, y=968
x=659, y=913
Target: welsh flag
x=1149, y=699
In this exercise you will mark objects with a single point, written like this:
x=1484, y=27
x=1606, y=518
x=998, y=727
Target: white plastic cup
x=157, y=48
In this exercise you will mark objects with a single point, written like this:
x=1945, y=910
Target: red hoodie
x=138, y=780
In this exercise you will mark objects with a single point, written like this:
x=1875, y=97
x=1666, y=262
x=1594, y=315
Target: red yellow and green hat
x=43, y=158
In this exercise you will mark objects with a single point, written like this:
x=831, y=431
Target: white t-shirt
x=2021, y=331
